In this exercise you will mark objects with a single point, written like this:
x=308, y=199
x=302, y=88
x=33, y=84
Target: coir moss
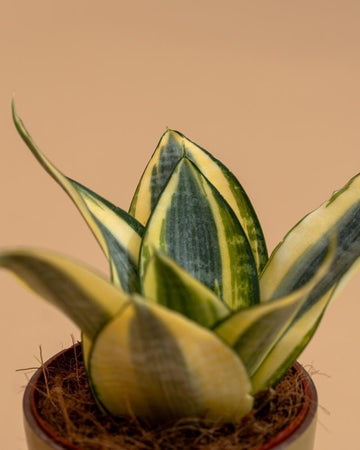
x=66, y=406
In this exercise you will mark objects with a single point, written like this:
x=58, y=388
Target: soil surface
x=66, y=406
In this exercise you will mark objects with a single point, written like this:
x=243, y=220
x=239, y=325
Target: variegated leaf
x=255, y=331
x=296, y=337
x=171, y=148
x=118, y=233
x=123, y=236
x=194, y=225
x=292, y=342
x=168, y=284
x=156, y=364
x=84, y=296
x=296, y=259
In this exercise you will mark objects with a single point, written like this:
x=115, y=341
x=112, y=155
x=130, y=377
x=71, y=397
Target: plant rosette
x=196, y=320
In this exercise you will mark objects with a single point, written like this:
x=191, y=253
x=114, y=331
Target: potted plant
x=196, y=321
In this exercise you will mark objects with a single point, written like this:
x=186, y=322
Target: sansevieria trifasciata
x=195, y=318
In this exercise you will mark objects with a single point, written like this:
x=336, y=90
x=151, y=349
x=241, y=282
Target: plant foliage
x=196, y=319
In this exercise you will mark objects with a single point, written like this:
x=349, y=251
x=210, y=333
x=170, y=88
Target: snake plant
x=196, y=318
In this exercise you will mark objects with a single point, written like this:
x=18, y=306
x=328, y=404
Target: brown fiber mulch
x=66, y=405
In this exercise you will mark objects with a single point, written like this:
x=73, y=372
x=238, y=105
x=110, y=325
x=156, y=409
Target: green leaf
x=156, y=364
x=118, y=233
x=123, y=238
x=168, y=284
x=84, y=296
x=297, y=257
x=194, y=225
x=100, y=206
x=172, y=147
x=292, y=342
x=296, y=337
x=255, y=331
x=294, y=262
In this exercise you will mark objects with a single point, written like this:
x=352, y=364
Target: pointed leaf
x=194, y=225
x=84, y=296
x=297, y=257
x=158, y=365
x=295, y=260
x=296, y=337
x=117, y=232
x=255, y=331
x=100, y=207
x=290, y=345
x=123, y=237
x=171, y=148
x=167, y=154
x=168, y=284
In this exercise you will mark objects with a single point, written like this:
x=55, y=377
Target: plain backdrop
x=269, y=87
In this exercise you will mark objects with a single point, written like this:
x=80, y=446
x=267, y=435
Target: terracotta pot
x=299, y=435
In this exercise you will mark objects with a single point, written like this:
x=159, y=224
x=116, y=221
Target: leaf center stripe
x=191, y=233
x=170, y=154
x=165, y=374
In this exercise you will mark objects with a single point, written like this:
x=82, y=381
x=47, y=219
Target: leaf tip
x=13, y=107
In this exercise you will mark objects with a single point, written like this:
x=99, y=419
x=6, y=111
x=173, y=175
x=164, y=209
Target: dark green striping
x=348, y=250
x=130, y=220
x=278, y=372
x=244, y=279
x=161, y=368
x=173, y=293
x=190, y=231
x=61, y=290
x=258, y=340
x=247, y=211
x=169, y=156
x=253, y=229
x=126, y=267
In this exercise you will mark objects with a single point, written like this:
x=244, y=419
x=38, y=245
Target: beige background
x=271, y=88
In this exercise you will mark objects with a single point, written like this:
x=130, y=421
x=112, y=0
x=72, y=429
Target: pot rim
x=304, y=418
x=285, y=437
x=31, y=414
